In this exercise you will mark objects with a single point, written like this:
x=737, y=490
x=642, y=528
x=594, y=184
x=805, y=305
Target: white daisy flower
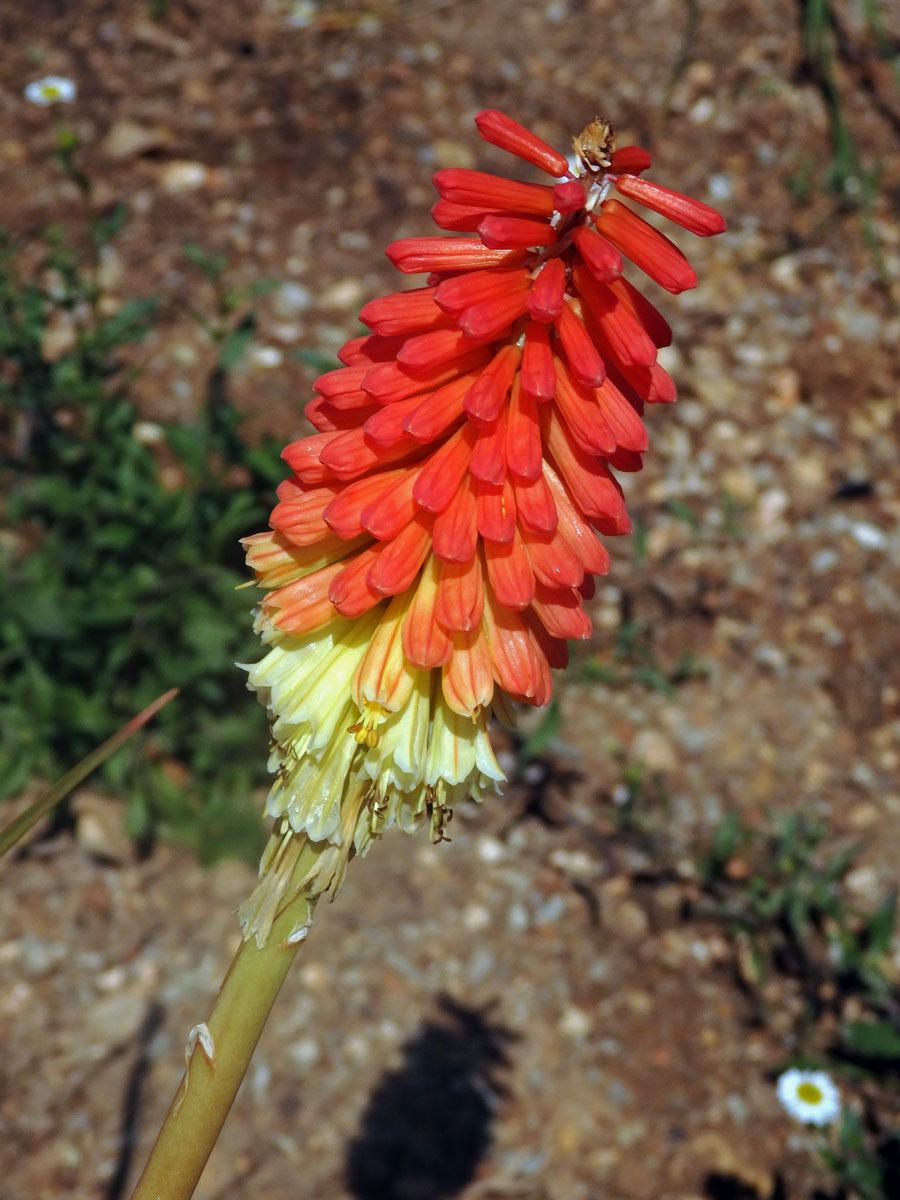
x=52, y=89
x=810, y=1096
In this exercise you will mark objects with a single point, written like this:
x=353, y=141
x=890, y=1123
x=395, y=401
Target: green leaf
x=189, y=444
x=653, y=679
x=117, y=535
x=543, y=734
x=730, y=836
x=234, y=344
x=851, y=1133
x=130, y=324
x=879, y=929
x=266, y=462
x=317, y=360
x=873, y=1039
x=213, y=266
x=685, y=513
x=41, y=807
x=259, y=287
x=109, y=224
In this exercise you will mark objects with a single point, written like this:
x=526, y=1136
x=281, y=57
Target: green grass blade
x=21, y=825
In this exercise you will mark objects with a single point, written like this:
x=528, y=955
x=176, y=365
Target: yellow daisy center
x=809, y=1093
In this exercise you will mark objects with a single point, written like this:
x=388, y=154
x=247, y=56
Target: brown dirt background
x=636, y=1069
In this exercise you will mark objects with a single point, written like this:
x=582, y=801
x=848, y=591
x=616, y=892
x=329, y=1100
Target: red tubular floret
x=500, y=130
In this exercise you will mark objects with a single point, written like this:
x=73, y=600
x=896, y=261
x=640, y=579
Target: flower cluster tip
x=430, y=555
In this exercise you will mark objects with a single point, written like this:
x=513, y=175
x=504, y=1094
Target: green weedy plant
x=862, y=1165
x=118, y=586
x=634, y=660
x=782, y=897
x=787, y=902
x=828, y=58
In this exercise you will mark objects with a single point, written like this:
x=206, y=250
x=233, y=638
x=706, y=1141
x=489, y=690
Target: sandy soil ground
x=528, y=1011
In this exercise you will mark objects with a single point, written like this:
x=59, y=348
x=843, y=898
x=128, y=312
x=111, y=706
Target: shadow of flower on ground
x=427, y=1126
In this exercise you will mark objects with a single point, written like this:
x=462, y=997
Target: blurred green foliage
x=783, y=896
x=841, y=55
x=120, y=575
x=864, y=1166
x=634, y=659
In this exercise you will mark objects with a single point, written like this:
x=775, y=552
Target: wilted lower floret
x=430, y=555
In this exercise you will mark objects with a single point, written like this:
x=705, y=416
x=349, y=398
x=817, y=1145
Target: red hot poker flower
x=439, y=534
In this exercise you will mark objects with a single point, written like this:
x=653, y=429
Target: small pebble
x=551, y=910
x=476, y=917
x=266, y=358
x=868, y=536
x=180, y=177
x=517, y=918
x=490, y=849
x=305, y=1052
x=574, y=1023
x=291, y=299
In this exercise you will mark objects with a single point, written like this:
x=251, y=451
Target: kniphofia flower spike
x=429, y=557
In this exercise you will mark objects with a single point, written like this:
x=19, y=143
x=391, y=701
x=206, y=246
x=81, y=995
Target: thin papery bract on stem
x=430, y=555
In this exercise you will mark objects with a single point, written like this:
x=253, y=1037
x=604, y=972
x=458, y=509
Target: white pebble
x=305, y=1052
x=181, y=176
x=575, y=1023
x=720, y=187
x=476, y=917
x=292, y=298
x=702, y=110
x=265, y=357
x=517, y=919
x=490, y=849
x=868, y=536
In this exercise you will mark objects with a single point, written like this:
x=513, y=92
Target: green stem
x=208, y=1089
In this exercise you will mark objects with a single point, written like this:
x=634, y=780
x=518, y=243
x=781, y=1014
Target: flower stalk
x=217, y=1060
